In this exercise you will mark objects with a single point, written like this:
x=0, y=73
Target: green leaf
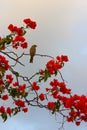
x=24, y=32
x=45, y=78
x=4, y=116
x=57, y=104
x=6, y=84
x=16, y=110
x=62, y=63
x=16, y=73
x=25, y=94
x=46, y=75
x=53, y=111
x=8, y=39
x=14, y=92
x=41, y=78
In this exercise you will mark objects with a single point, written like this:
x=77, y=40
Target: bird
x=32, y=52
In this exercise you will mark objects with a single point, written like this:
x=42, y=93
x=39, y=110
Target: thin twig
x=61, y=76
x=33, y=75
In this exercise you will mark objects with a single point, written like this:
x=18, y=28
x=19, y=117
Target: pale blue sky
x=61, y=29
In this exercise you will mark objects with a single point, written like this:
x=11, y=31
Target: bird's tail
x=31, y=59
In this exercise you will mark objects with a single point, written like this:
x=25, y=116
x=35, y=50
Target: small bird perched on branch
x=32, y=52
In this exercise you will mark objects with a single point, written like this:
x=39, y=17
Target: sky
x=61, y=29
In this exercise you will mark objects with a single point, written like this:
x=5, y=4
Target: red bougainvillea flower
x=11, y=27
x=59, y=87
x=42, y=97
x=69, y=119
x=25, y=109
x=64, y=89
x=62, y=58
x=1, y=82
x=15, y=29
x=68, y=103
x=24, y=45
x=9, y=110
x=20, y=103
x=9, y=78
x=15, y=84
x=53, y=66
x=5, y=97
x=4, y=63
x=19, y=31
x=22, y=87
x=47, y=89
x=77, y=123
x=41, y=72
x=51, y=105
x=18, y=40
x=35, y=86
x=2, y=109
x=30, y=23
x=55, y=82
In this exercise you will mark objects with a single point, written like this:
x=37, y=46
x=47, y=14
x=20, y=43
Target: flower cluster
x=53, y=66
x=19, y=41
x=56, y=97
x=3, y=63
x=18, y=92
x=75, y=104
x=9, y=78
x=35, y=86
x=30, y=23
x=4, y=110
x=15, y=29
x=78, y=111
x=16, y=37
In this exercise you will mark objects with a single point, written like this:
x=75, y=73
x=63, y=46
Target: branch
x=45, y=56
x=16, y=60
x=61, y=76
x=41, y=55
